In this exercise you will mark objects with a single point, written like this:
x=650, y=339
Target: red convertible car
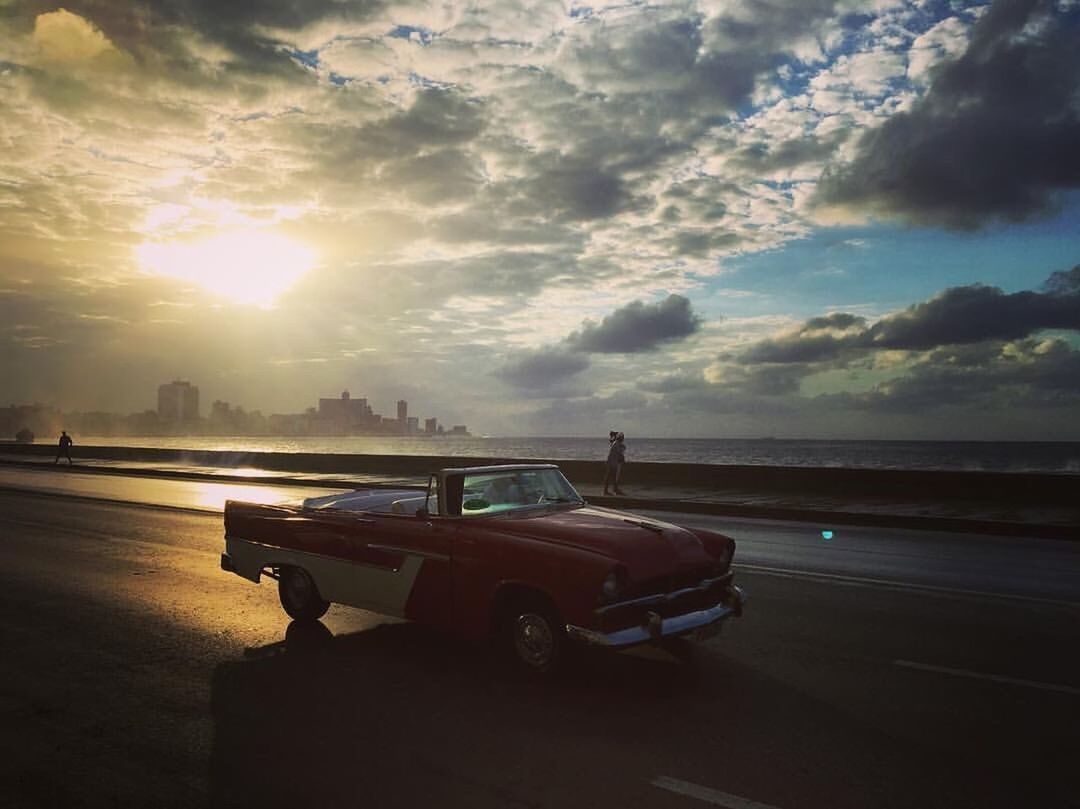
x=511, y=552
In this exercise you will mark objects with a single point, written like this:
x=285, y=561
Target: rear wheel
x=533, y=635
x=299, y=595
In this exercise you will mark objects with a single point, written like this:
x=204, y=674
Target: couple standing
x=615, y=459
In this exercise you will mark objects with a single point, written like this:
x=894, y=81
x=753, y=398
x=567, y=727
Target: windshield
x=493, y=492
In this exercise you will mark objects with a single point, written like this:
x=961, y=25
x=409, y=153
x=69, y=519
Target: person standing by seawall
x=63, y=447
x=615, y=460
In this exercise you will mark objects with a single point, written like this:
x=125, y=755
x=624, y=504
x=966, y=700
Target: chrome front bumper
x=703, y=622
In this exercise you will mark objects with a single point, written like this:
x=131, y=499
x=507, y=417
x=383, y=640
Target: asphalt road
x=136, y=673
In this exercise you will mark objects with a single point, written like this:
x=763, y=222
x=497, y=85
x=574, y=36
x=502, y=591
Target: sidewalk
x=969, y=516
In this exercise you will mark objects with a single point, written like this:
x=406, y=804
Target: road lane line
x=713, y=796
x=996, y=678
x=862, y=581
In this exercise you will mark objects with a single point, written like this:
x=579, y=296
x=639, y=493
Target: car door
x=393, y=564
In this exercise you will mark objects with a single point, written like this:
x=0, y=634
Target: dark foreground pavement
x=136, y=673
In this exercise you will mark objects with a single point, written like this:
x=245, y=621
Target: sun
x=250, y=266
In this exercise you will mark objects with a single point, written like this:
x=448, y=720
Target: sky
x=726, y=218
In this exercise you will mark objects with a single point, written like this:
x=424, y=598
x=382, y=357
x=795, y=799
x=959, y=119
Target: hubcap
x=299, y=588
x=533, y=639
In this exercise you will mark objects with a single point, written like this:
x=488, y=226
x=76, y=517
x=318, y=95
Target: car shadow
x=293, y=717
x=401, y=715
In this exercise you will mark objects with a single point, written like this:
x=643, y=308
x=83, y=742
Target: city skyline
x=178, y=412
x=827, y=219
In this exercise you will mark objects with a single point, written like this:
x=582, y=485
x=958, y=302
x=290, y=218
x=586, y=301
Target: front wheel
x=299, y=595
x=534, y=636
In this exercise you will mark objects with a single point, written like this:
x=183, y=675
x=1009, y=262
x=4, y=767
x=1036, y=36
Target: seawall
x=1026, y=488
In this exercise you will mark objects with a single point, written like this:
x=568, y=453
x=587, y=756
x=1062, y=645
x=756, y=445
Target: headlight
x=723, y=559
x=613, y=584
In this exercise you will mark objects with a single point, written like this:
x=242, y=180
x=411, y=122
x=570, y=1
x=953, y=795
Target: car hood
x=647, y=547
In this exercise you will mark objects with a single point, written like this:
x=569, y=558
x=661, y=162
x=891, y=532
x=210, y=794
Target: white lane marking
x=713, y=796
x=997, y=678
x=862, y=581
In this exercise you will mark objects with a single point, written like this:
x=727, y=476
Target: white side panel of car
x=383, y=590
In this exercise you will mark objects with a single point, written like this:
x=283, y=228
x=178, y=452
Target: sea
x=1004, y=456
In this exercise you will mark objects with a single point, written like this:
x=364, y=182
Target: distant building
x=178, y=401
x=345, y=414
x=458, y=429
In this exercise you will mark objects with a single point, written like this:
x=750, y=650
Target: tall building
x=431, y=426
x=402, y=411
x=178, y=401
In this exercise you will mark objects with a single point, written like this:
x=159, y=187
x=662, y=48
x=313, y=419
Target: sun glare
x=251, y=267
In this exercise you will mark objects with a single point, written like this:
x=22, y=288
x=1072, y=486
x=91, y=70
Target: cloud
x=818, y=339
x=967, y=355
x=578, y=192
x=1064, y=282
x=253, y=35
x=960, y=315
x=543, y=369
x=993, y=138
x=973, y=314
x=1026, y=373
x=66, y=37
x=476, y=181
x=638, y=327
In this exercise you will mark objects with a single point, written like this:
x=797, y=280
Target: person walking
x=615, y=460
x=63, y=447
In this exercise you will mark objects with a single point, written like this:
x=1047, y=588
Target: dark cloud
x=638, y=327
x=661, y=53
x=543, y=369
x=960, y=315
x=767, y=379
x=819, y=339
x=145, y=26
x=437, y=119
x=994, y=137
x=701, y=242
x=752, y=38
x=974, y=313
x=578, y=193
x=1064, y=282
x=1028, y=373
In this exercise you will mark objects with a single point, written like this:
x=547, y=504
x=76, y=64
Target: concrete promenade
x=992, y=503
